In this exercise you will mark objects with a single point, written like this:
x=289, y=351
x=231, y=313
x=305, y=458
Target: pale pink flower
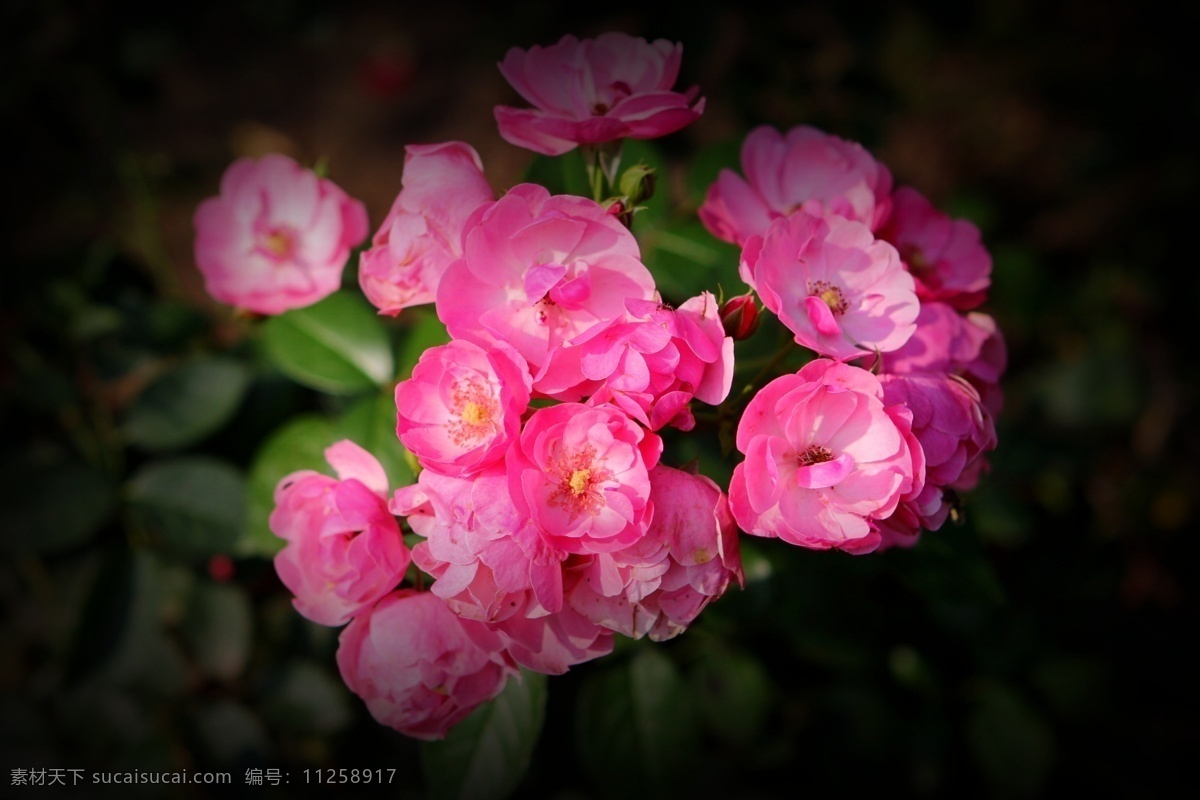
x=462, y=406
x=344, y=550
x=552, y=643
x=824, y=459
x=659, y=585
x=615, y=86
x=277, y=237
x=784, y=172
x=944, y=255
x=842, y=292
x=945, y=340
x=538, y=270
x=442, y=185
x=581, y=473
x=416, y=665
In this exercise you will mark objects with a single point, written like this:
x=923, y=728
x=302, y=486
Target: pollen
x=474, y=413
x=579, y=481
x=815, y=454
x=278, y=243
x=831, y=295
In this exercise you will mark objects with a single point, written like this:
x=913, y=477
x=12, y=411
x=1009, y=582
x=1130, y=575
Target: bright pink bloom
x=944, y=255
x=650, y=363
x=442, y=185
x=581, y=473
x=539, y=270
x=615, y=86
x=462, y=406
x=553, y=643
x=417, y=667
x=785, y=171
x=277, y=236
x=344, y=550
x=824, y=459
x=832, y=283
x=660, y=585
x=969, y=345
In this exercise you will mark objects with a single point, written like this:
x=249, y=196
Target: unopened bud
x=740, y=317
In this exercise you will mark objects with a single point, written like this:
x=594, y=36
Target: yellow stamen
x=579, y=481
x=473, y=413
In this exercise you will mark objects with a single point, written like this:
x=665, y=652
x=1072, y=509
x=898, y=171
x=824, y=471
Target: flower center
x=831, y=295
x=475, y=408
x=918, y=264
x=473, y=413
x=579, y=481
x=815, y=454
x=278, y=243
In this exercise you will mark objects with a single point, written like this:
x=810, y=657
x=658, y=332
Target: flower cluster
x=544, y=520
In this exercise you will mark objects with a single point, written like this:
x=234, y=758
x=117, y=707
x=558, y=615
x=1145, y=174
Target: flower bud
x=740, y=317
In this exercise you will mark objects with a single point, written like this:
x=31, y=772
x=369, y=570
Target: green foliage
x=186, y=404
x=192, y=505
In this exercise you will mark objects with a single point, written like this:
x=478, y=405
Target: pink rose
x=581, y=473
x=277, y=236
x=843, y=293
x=462, y=406
x=824, y=459
x=539, y=270
x=660, y=585
x=416, y=665
x=442, y=185
x=785, y=171
x=944, y=255
x=615, y=86
x=344, y=550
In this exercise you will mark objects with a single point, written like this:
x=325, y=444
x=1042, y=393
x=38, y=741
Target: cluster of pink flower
x=546, y=521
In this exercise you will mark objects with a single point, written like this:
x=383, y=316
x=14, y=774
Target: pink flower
x=841, y=291
x=824, y=459
x=442, y=185
x=277, y=236
x=462, y=406
x=581, y=473
x=344, y=550
x=785, y=171
x=944, y=255
x=969, y=345
x=416, y=665
x=553, y=643
x=612, y=87
x=539, y=270
x=661, y=584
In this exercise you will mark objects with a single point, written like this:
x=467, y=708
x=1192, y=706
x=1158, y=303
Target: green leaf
x=298, y=444
x=338, y=345
x=486, y=755
x=229, y=735
x=195, y=506
x=734, y=693
x=426, y=333
x=639, y=715
x=186, y=404
x=52, y=506
x=371, y=424
x=217, y=629
x=1010, y=741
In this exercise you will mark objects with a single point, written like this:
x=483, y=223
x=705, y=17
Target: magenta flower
x=277, y=237
x=462, y=406
x=944, y=255
x=581, y=473
x=442, y=185
x=344, y=549
x=539, y=270
x=419, y=668
x=832, y=283
x=824, y=459
x=615, y=86
x=784, y=172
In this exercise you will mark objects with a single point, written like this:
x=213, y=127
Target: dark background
x=1042, y=646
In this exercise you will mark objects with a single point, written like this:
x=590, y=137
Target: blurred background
x=1037, y=647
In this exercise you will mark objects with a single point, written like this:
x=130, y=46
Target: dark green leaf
x=371, y=424
x=194, y=505
x=639, y=715
x=734, y=693
x=426, y=333
x=305, y=699
x=338, y=345
x=485, y=756
x=1011, y=742
x=217, y=629
x=186, y=404
x=52, y=506
x=299, y=444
